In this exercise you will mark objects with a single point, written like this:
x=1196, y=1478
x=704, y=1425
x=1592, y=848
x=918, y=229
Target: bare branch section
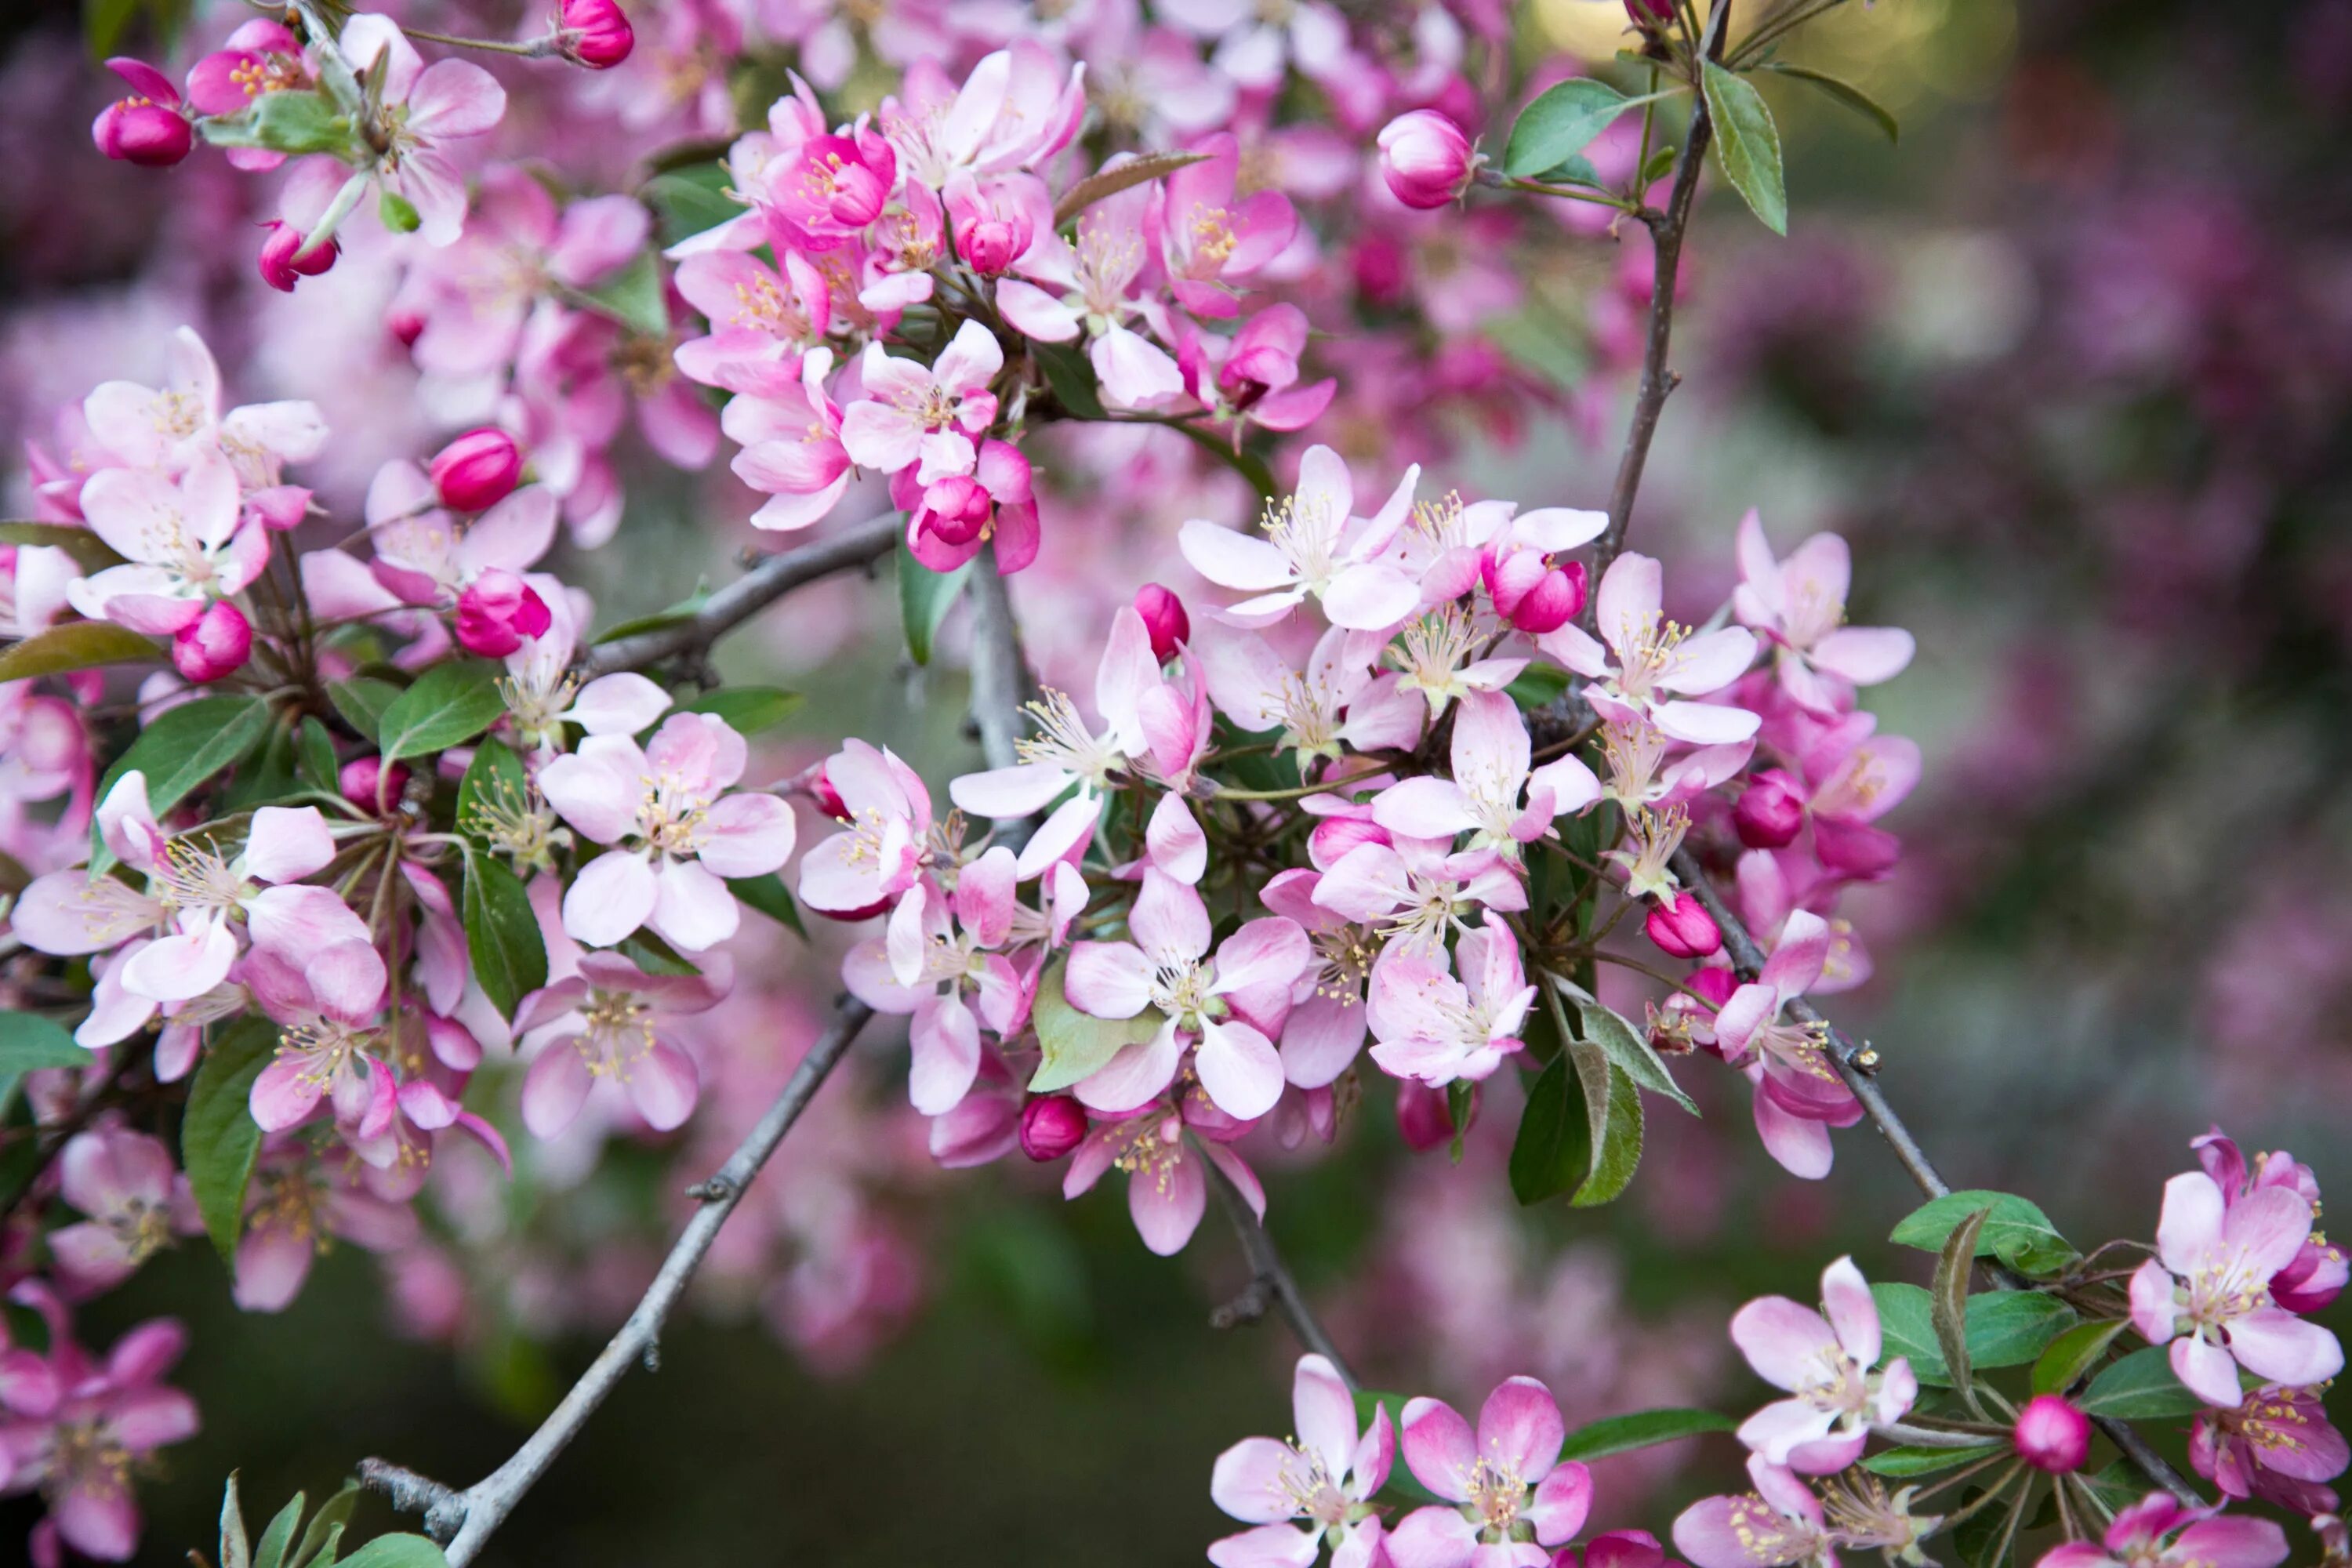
x=1271, y=1284
x=738, y=601
x=465, y=1520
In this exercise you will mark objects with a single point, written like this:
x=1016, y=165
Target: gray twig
x=1270, y=1281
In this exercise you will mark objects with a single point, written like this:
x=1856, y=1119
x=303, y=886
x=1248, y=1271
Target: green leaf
x=1075, y=1043
x=2074, y=1353
x=690, y=201
x=2011, y=1328
x=219, y=1140
x=1123, y=176
x=1538, y=685
x=768, y=895
x=1461, y=1100
x=271, y=1553
x=326, y=1524
x=283, y=122
x=494, y=778
x=449, y=705
x=1240, y=459
x=635, y=297
x=925, y=596
x=748, y=709
x=314, y=757
x=90, y=553
x=1629, y=1050
x=76, y=645
x=397, y=212
x=236, y=1546
x=1071, y=377
x=684, y=610
x=2140, y=1387
x=1560, y=123
x=1402, y=1481
x=2016, y=1231
x=397, y=1551
x=29, y=1042
x=1553, y=1151
x=1748, y=145
x=1662, y=162
x=183, y=748
x=1843, y=92
x=1902, y=1464
x=502, y=934
x=1947, y=1309
x=362, y=702
x=1618, y=1145
x=652, y=954
x=1642, y=1429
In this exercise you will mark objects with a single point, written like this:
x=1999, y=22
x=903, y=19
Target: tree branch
x=466, y=1520
x=746, y=596
x=1271, y=1283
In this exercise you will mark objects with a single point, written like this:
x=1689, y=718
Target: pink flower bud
x=988, y=246
x=498, y=612
x=1164, y=617
x=1771, y=812
x=1681, y=926
x=478, y=469
x=1716, y=984
x=282, y=268
x=280, y=507
x=1557, y=598
x=595, y=33
x=146, y=128
x=361, y=777
x=215, y=644
x=1648, y=13
x=820, y=790
x=1425, y=1116
x=2051, y=1435
x=1425, y=158
x=1621, y=1549
x=1050, y=1126
x=954, y=510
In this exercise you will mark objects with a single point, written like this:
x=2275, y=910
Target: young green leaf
x=450, y=704
x=219, y=1140
x=925, y=596
x=314, y=757
x=1642, y=1429
x=78, y=645
x=1461, y=1100
x=768, y=895
x=690, y=201
x=1071, y=378
x=1553, y=1151
x=325, y=1526
x=1561, y=122
x=1074, y=1043
x=2011, y=1328
x=362, y=702
x=2074, y=1353
x=502, y=934
x=1748, y=145
x=1903, y=1464
x=748, y=709
x=236, y=1546
x=90, y=553
x=1617, y=1148
x=1843, y=92
x=181, y=749
x=2015, y=1230
x=635, y=297
x=397, y=1551
x=1948, y=1302
x=280, y=1535
x=2140, y=1387
x=1629, y=1050
x=29, y=1042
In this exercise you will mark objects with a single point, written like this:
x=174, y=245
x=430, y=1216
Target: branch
x=1857, y=1065
x=1270, y=1281
x=746, y=596
x=466, y=1520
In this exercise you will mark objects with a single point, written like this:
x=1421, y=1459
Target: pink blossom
x=423, y=111
x=1253, y=46
x=600, y=1025
x=886, y=840
x=1164, y=617
x=1651, y=664
x=1015, y=109
x=1253, y=377
x=2207, y=1291
x=949, y=520
x=912, y=415
x=1799, y=606
x=1826, y=1364
x=1211, y=1000
x=1050, y=1126
x=1327, y=1024
x=792, y=448
x=134, y=1198
x=2278, y=1444
x=939, y=947
x=147, y=128
x=1511, y=1498
x=2138, y=1539
x=186, y=544
x=1778, y=1524
x=1492, y=774
x=1799, y=1094
x=1681, y=926
x=1419, y=890
x=678, y=836
x=498, y=613
x=1093, y=286
x=1316, y=545
x=1425, y=159
x=215, y=644
x=1161, y=1148
x=294, y=1211
x=285, y=258
x=2318, y=1273
x=762, y=323
x=1338, y=704
x=330, y=1007
x=170, y=428
x=826, y=192
x=1431, y=1027
x=1308, y=1490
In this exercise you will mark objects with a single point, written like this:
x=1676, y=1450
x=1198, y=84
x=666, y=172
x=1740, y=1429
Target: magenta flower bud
x=1425, y=158
x=1425, y=1116
x=1557, y=598
x=989, y=246
x=1771, y=811
x=146, y=128
x=282, y=268
x=1050, y=1126
x=478, y=469
x=2051, y=1435
x=1715, y=984
x=498, y=613
x=1681, y=926
x=955, y=509
x=362, y=777
x=595, y=33
x=215, y=644
x=1164, y=617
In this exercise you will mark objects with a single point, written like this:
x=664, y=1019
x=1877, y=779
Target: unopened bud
x=595, y=33
x=146, y=128
x=498, y=612
x=1681, y=926
x=988, y=246
x=215, y=644
x=1164, y=617
x=1425, y=158
x=2051, y=1435
x=1771, y=811
x=1425, y=1115
x=281, y=268
x=361, y=777
x=1050, y=1126
x=478, y=470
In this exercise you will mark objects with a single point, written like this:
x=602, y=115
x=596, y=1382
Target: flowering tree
x=386, y=854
